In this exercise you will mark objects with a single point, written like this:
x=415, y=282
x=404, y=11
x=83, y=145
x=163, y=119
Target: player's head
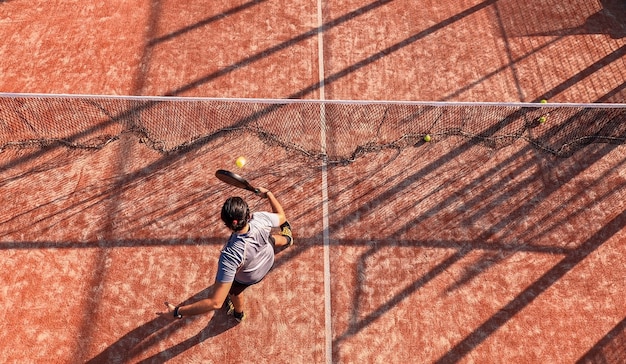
x=235, y=213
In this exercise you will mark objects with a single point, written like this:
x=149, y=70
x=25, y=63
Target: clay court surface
x=441, y=252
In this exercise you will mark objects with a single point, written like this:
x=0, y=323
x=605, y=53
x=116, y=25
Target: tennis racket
x=235, y=180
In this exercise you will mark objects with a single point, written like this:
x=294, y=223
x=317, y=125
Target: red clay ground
x=443, y=252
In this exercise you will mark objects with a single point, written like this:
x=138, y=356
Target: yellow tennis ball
x=542, y=119
x=543, y=101
x=427, y=138
x=240, y=162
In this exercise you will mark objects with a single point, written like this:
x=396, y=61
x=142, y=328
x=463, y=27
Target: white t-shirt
x=248, y=257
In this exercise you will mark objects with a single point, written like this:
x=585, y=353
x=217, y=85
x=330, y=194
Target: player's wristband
x=176, y=314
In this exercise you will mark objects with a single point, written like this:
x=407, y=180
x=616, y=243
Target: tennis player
x=246, y=258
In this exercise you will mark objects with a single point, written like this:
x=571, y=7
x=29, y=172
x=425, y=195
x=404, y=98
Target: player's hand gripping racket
x=235, y=180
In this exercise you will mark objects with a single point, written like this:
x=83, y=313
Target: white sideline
x=328, y=335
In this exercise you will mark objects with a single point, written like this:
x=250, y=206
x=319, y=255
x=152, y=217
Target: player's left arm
x=217, y=295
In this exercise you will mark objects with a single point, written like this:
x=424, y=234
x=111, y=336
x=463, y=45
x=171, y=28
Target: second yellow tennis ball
x=427, y=138
x=240, y=162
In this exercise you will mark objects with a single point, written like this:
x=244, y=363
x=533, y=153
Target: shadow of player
x=142, y=338
x=218, y=324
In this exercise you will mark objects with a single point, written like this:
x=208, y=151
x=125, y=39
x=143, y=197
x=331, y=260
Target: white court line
x=325, y=225
x=326, y=240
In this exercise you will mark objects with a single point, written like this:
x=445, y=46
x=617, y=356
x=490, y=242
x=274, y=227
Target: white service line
x=325, y=225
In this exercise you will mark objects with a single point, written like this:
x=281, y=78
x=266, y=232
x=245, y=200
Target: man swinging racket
x=245, y=259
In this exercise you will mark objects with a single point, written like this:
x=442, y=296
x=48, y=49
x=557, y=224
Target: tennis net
x=349, y=128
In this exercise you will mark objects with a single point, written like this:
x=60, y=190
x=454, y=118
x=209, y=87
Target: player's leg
x=280, y=240
x=285, y=238
x=237, y=302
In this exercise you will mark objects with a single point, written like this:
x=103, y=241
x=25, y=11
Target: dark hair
x=235, y=213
